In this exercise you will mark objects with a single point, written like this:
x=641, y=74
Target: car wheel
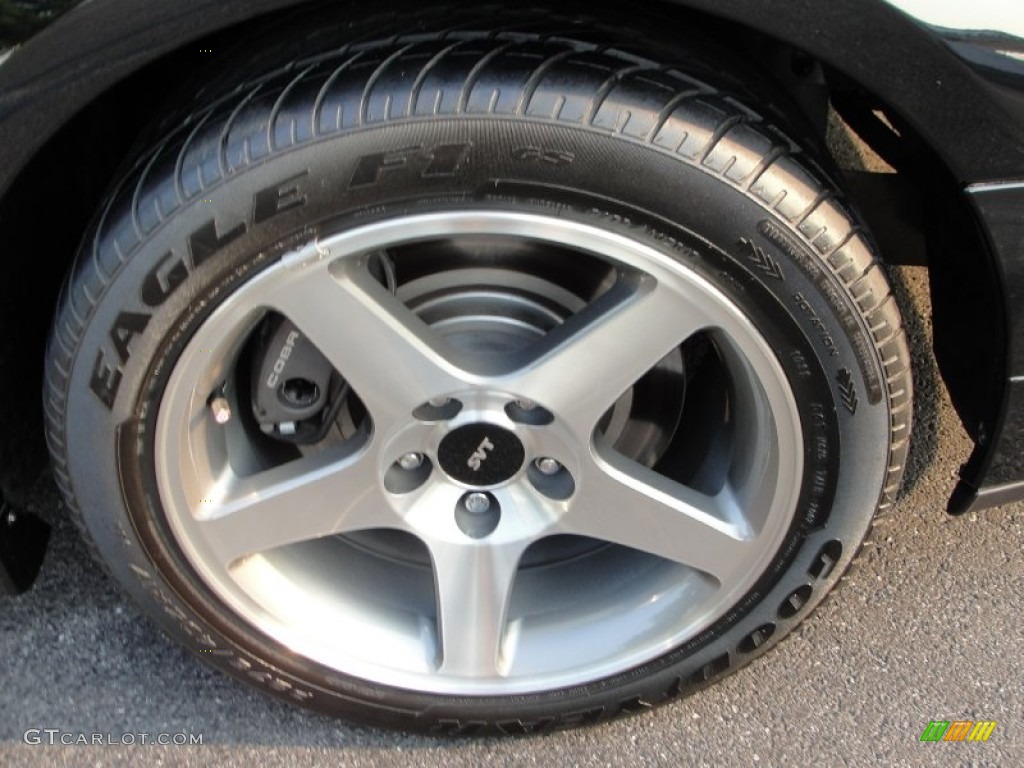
x=478, y=382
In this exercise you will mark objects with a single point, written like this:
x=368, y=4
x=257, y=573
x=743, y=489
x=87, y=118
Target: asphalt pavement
x=929, y=628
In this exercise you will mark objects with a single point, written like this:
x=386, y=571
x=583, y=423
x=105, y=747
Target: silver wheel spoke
x=474, y=582
x=398, y=580
x=294, y=502
x=384, y=351
x=628, y=504
x=599, y=353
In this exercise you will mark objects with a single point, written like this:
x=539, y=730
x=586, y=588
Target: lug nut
x=477, y=503
x=547, y=465
x=410, y=461
x=438, y=402
x=526, y=405
x=221, y=410
x=477, y=514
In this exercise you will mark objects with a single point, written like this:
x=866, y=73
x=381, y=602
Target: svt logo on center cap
x=481, y=454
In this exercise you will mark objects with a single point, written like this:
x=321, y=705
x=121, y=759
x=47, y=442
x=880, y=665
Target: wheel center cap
x=481, y=454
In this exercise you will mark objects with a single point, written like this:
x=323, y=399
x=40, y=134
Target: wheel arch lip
x=994, y=474
x=48, y=78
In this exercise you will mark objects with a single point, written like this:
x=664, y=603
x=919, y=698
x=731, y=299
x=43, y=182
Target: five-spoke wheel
x=485, y=457
x=478, y=379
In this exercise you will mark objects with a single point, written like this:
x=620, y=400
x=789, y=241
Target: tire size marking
x=817, y=504
x=172, y=269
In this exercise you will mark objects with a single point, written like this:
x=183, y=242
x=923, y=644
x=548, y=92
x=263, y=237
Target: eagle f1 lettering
x=173, y=269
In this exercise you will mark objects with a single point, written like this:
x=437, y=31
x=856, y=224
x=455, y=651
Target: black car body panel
x=963, y=104
x=995, y=473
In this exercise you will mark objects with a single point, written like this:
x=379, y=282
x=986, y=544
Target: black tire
x=516, y=122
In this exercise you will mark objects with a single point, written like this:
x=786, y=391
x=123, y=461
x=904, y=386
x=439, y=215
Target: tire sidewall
x=705, y=223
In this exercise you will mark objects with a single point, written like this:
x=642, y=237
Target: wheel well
x=51, y=202
x=921, y=216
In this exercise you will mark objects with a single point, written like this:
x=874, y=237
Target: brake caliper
x=291, y=384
